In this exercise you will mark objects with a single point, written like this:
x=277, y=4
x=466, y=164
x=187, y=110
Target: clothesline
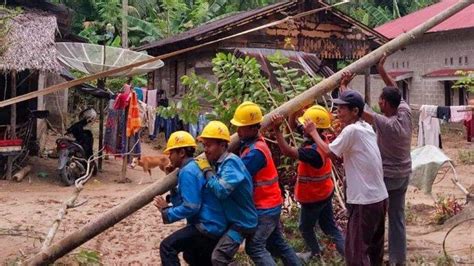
x=468, y=109
x=429, y=122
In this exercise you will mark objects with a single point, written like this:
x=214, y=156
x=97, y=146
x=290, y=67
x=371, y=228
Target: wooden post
x=123, y=174
x=367, y=86
x=12, y=123
x=118, y=213
x=101, y=86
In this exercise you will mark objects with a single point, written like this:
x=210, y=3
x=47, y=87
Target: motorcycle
x=75, y=152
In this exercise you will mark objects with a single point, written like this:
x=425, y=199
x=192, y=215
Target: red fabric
x=265, y=196
x=460, y=20
x=121, y=101
x=11, y=142
x=133, y=119
x=469, y=124
x=314, y=191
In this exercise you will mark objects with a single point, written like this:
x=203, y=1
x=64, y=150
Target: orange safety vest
x=266, y=190
x=313, y=184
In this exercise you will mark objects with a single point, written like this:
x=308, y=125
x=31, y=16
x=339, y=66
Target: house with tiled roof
x=427, y=68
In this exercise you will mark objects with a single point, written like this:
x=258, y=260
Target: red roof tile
x=463, y=19
x=446, y=73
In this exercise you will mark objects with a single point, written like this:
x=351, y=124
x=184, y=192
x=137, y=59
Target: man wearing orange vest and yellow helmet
x=314, y=186
x=257, y=158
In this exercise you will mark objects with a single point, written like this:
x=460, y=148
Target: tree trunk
x=124, y=24
x=116, y=214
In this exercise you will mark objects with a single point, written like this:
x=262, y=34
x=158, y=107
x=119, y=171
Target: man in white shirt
x=366, y=192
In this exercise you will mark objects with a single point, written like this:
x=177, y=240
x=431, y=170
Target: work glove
x=205, y=166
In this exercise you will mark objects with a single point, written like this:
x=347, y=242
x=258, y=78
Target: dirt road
x=32, y=205
x=28, y=208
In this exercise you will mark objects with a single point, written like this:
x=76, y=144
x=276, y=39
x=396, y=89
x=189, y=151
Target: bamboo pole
x=116, y=214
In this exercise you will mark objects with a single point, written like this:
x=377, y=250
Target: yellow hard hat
x=248, y=113
x=179, y=139
x=318, y=115
x=215, y=130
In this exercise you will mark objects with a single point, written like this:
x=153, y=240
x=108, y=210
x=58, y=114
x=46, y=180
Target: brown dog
x=150, y=162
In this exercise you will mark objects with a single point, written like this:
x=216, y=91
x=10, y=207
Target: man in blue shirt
x=193, y=201
x=230, y=181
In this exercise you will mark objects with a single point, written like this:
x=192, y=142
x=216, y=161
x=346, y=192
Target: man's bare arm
x=385, y=76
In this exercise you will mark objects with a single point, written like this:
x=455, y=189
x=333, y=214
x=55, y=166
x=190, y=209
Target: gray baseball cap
x=350, y=97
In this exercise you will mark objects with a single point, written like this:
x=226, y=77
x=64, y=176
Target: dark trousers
x=365, y=234
x=268, y=240
x=225, y=251
x=196, y=247
x=397, y=241
x=323, y=214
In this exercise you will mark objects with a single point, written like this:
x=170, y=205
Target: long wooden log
x=144, y=197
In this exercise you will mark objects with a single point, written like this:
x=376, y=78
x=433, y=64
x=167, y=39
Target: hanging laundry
x=429, y=129
x=469, y=124
x=143, y=113
x=127, y=88
x=139, y=93
x=151, y=98
x=133, y=119
x=443, y=112
x=458, y=116
x=145, y=92
x=121, y=131
x=110, y=136
x=162, y=99
x=121, y=101
x=151, y=116
x=134, y=146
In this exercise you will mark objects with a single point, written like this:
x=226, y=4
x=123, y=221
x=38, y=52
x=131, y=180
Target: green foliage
x=467, y=80
x=149, y=20
x=376, y=12
x=239, y=79
x=88, y=257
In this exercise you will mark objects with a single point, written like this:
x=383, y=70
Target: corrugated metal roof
x=400, y=75
x=223, y=24
x=461, y=20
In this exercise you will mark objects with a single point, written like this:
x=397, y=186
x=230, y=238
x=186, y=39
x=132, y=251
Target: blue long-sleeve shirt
x=232, y=184
x=255, y=161
x=193, y=201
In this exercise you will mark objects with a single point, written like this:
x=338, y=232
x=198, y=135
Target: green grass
x=466, y=156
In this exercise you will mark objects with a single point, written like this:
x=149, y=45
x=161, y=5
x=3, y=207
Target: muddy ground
x=28, y=208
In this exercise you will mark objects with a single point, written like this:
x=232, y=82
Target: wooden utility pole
x=124, y=24
x=367, y=91
x=101, y=86
x=12, y=123
x=118, y=213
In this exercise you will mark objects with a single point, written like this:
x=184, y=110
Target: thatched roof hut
x=29, y=42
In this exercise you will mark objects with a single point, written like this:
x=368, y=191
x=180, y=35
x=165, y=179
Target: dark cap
x=350, y=97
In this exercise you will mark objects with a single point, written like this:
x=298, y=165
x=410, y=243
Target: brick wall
x=453, y=50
